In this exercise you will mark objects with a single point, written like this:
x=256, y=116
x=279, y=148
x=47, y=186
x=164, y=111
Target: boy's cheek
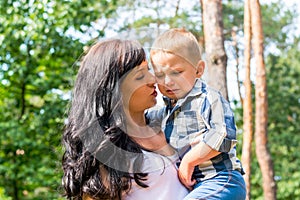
x=161, y=87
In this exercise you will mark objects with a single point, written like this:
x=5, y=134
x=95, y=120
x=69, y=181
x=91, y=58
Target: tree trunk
x=216, y=59
x=247, y=103
x=261, y=116
x=235, y=53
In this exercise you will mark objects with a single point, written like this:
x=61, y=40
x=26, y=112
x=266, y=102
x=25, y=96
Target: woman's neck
x=137, y=118
x=135, y=123
x=145, y=136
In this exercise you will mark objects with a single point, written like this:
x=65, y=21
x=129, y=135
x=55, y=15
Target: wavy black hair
x=100, y=158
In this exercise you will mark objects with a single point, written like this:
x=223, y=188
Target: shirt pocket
x=194, y=127
x=188, y=122
x=189, y=130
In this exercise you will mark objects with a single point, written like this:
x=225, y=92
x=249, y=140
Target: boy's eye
x=176, y=72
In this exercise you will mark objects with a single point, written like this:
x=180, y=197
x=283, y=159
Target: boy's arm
x=155, y=117
x=198, y=154
x=156, y=114
x=220, y=136
x=219, y=118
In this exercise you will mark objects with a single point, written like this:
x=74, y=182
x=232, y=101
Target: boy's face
x=175, y=76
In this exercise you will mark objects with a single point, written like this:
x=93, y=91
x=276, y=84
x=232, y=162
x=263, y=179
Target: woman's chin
x=150, y=105
x=153, y=103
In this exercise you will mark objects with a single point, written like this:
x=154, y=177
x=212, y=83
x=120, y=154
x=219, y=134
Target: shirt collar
x=197, y=89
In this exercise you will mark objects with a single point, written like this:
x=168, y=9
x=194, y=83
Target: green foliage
x=278, y=24
x=283, y=88
x=283, y=70
x=233, y=12
x=152, y=14
x=37, y=56
x=284, y=109
x=3, y=196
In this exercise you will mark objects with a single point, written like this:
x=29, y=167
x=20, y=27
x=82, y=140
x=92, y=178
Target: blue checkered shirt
x=203, y=115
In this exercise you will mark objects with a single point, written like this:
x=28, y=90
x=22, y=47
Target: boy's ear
x=200, y=68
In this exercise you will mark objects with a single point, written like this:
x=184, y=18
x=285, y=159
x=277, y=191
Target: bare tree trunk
x=237, y=59
x=247, y=104
x=216, y=59
x=261, y=116
x=177, y=7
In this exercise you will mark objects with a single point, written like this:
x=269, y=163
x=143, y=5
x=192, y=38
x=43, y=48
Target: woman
x=109, y=149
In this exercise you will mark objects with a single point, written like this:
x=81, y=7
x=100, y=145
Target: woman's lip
x=154, y=93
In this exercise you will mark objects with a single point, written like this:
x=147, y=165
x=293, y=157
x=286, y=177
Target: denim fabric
x=226, y=185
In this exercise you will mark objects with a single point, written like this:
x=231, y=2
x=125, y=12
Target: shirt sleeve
x=218, y=116
x=154, y=118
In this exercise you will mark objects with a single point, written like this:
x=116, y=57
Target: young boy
x=197, y=120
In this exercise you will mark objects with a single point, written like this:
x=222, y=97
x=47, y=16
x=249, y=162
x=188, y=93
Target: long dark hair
x=96, y=161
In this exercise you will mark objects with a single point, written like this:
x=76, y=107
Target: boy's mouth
x=171, y=91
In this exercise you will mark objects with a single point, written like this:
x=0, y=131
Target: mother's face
x=138, y=90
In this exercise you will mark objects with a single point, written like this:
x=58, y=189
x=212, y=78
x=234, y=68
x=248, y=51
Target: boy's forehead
x=163, y=59
x=163, y=56
x=159, y=53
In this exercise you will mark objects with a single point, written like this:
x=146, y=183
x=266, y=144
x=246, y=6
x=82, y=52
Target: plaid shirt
x=203, y=115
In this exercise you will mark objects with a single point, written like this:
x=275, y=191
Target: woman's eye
x=140, y=77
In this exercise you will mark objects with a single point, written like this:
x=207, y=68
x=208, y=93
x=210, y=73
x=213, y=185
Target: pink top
x=162, y=180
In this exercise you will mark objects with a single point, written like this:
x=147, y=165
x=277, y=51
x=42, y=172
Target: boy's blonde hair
x=180, y=42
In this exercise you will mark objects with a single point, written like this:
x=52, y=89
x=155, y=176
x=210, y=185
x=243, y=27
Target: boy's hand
x=185, y=172
x=198, y=154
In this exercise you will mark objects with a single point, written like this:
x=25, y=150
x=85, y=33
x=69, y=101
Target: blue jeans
x=227, y=185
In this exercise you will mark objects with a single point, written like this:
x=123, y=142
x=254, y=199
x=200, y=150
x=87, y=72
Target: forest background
x=41, y=44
